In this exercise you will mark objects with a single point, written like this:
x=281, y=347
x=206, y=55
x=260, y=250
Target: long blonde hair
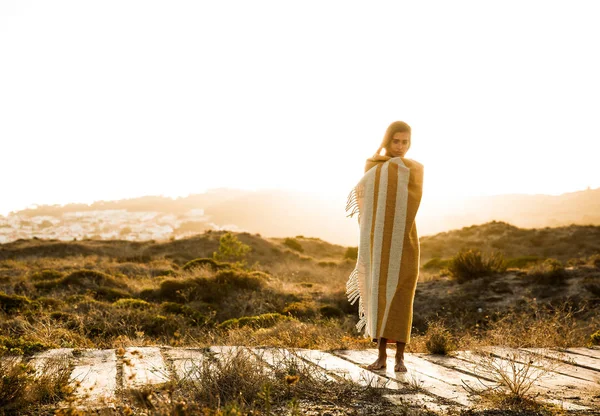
x=395, y=127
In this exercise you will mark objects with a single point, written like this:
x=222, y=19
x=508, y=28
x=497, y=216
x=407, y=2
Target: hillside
x=563, y=243
x=276, y=213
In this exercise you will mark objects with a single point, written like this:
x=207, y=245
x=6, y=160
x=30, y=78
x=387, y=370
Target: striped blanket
x=386, y=200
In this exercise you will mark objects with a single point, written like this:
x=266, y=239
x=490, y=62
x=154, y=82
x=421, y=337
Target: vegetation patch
x=266, y=320
x=595, y=338
x=302, y=309
x=331, y=311
x=22, y=391
x=293, y=244
x=438, y=339
x=436, y=263
x=132, y=303
x=550, y=272
x=196, y=316
x=351, y=253
x=212, y=264
x=241, y=279
x=522, y=262
x=88, y=279
x=21, y=346
x=47, y=275
x=13, y=303
x=472, y=264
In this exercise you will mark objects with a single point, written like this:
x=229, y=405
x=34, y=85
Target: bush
x=231, y=249
x=293, y=244
x=15, y=377
x=240, y=279
x=550, y=272
x=23, y=346
x=351, y=253
x=438, y=339
x=471, y=264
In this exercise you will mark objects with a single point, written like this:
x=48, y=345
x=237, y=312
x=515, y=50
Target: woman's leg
x=400, y=367
x=382, y=356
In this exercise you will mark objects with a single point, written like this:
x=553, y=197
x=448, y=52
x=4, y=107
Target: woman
x=387, y=199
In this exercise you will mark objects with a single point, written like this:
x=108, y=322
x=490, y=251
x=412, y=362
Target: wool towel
x=384, y=281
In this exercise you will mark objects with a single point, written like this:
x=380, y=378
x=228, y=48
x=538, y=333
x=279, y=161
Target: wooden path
x=438, y=383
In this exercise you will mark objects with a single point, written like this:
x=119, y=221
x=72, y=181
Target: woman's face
x=399, y=144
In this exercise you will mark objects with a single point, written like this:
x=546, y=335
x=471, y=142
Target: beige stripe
x=375, y=198
x=388, y=228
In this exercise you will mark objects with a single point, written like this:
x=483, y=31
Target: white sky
x=114, y=99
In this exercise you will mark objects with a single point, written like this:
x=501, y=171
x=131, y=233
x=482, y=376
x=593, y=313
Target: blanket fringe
x=352, y=203
x=353, y=293
x=352, y=289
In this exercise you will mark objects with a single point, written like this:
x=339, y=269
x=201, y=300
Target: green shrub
x=206, y=262
x=132, y=303
x=265, y=320
x=293, y=244
x=550, y=272
x=351, y=253
x=23, y=346
x=436, y=263
x=595, y=338
x=471, y=264
x=231, y=249
x=13, y=303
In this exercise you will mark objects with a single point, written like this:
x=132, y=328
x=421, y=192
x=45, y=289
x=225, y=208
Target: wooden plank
x=575, y=365
x=143, y=366
x=554, y=386
x=94, y=376
x=280, y=358
x=415, y=377
x=187, y=363
x=346, y=369
x=47, y=360
x=593, y=352
x=556, y=378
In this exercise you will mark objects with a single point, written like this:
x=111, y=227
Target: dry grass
x=27, y=389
